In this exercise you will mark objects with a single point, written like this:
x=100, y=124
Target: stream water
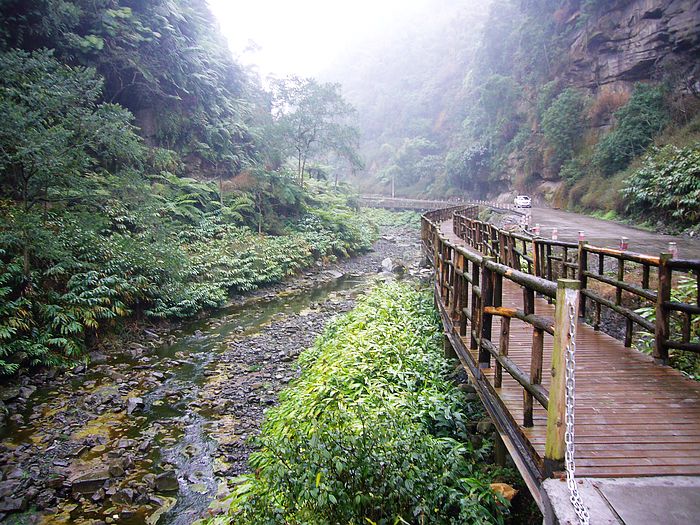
x=149, y=435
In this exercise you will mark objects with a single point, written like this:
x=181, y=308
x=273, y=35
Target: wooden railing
x=629, y=274
x=470, y=287
x=469, y=284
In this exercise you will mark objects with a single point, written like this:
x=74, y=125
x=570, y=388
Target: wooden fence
x=629, y=274
x=470, y=285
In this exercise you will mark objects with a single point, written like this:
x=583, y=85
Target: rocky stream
x=151, y=432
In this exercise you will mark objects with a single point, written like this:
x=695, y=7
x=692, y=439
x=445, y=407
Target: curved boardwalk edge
x=634, y=418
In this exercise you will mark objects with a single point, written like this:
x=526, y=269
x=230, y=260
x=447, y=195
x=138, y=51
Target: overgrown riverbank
x=144, y=431
x=374, y=430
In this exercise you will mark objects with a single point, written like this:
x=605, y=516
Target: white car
x=522, y=201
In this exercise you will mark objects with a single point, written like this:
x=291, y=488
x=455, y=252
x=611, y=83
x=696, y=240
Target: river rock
x=134, y=404
x=13, y=504
x=484, y=426
x=116, y=471
x=90, y=483
x=167, y=481
x=9, y=393
x=123, y=497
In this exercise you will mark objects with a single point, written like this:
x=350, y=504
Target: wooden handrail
x=551, y=260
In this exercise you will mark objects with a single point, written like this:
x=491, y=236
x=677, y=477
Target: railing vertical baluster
x=662, y=314
x=536, y=258
x=464, y=301
x=601, y=271
x=487, y=294
x=645, y=276
x=455, y=285
x=536, y=357
x=582, y=278
x=529, y=308
x=548, y=258
x=554, y=448
x=476, y=300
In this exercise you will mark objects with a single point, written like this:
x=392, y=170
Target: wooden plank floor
x=633, y=417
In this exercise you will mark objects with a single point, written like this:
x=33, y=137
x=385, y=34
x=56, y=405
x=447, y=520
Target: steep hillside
x=559, y=98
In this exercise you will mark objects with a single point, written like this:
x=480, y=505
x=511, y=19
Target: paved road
x=607, y=233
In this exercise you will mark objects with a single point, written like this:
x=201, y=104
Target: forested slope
x=563, y=99
x=141, y=166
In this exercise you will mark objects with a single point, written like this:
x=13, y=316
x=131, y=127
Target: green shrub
x=638, y=122
x=686, y=362
x=667, y=186
x=562, y=124
x=372, y=432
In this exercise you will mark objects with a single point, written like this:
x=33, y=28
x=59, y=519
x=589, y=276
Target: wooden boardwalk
x=634, y=418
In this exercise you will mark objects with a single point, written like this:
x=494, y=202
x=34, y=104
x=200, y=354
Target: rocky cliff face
x=637, y=40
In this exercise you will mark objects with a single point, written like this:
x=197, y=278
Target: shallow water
x=175, y=422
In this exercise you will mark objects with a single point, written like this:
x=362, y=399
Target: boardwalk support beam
x=567, y=300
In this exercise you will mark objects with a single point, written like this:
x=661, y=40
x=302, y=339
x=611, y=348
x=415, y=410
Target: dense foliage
x=637, y=123
x=137, y=159
x=667, y=186
x=373, y=431
x=687, y=362
x=505, y=97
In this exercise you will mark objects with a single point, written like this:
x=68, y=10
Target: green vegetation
x=143, y=173
x=511, y=99
x=563, y=124
x=384, y=218
x=667, y=187
x=637, y=123
x=373, y=431
x=687, y=362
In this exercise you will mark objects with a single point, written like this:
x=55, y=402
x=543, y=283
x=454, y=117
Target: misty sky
x=303, y=36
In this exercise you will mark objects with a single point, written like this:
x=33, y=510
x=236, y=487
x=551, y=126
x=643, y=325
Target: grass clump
x=373, y=432
x=392, y=219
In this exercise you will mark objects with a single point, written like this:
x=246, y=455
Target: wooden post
x=601, y=271
x=548, y=262
x=535, y=374
x=464, y=293
x=582, y=269
x=661, y=331
x=475, y=307
x=502, y=247
x=503, y=345
x=554, y=448
x=487, y=288
x=449, y=350
x=536, y=257
x=499, y=450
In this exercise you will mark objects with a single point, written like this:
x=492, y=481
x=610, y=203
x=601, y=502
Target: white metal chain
x=575, y=497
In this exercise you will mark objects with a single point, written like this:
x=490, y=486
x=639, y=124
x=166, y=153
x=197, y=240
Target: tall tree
x=313, y=119
x=54, y=135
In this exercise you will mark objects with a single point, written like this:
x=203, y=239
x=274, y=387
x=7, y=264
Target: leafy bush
x=562, y=124
x=372, y=431
x=667, y=186
x=382, y=217
x=686, y=362
x=89, y=269
x=638, y=121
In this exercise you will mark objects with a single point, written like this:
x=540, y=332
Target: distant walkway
x=608, y=233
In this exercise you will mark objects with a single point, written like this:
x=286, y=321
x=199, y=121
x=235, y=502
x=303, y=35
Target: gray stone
x=116, y=471
x=124, y=497
x=134, y=404
x=167, y=482
x=9, y=393
x=484, y=426
x=13, y=504
x=90, y=483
